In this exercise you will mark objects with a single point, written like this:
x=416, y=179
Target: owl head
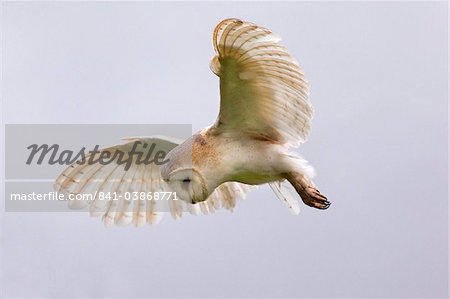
x=187, y=173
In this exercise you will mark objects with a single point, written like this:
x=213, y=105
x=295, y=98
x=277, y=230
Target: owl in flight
x=264, y=111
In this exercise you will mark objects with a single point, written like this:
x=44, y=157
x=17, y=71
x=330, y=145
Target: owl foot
x=313, y=198
x=310, y=195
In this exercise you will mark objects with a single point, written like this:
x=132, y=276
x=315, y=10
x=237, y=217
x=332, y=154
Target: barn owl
x=264, y=112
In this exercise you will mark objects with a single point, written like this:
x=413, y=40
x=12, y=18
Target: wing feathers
x=263, y=91
x=121, y=196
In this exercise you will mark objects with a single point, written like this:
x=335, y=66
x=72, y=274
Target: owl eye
x=186, y=183
x=184, y=175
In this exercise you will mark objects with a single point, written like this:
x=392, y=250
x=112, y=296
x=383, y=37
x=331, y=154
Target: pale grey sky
x=378, y=75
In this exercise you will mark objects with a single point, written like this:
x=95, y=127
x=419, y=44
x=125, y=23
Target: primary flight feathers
x=263, y=92
x=114, y=181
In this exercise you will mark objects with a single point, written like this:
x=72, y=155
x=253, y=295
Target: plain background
x=378, y=74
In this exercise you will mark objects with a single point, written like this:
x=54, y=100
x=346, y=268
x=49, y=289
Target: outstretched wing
x=263, y=92
x=126, y=193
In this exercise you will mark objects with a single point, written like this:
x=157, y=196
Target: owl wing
x=263, y=92
x=127, y=194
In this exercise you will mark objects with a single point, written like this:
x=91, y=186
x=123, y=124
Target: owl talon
x=313, y=198
x=310, y=195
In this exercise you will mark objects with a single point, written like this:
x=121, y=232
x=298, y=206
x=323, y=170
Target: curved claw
x=310, y=195
x=313, y=198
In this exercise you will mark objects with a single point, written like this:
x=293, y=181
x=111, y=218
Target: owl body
x=241, y=158
x=264, y=112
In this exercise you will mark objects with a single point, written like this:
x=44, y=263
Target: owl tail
x=284, y=194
